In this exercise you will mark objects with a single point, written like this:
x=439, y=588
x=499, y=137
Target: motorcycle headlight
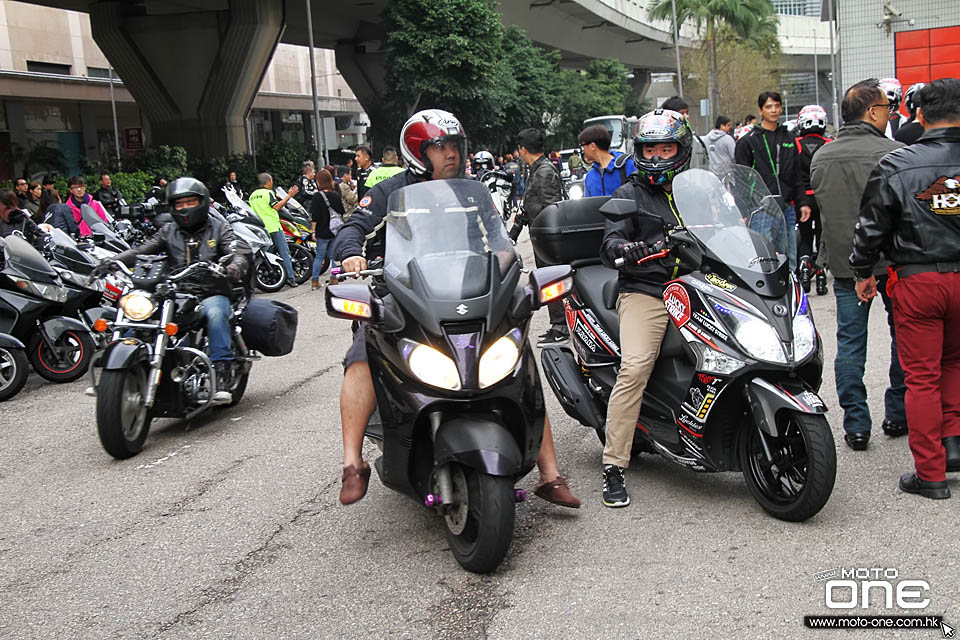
x=137, y=306
x=45, y=291
x=499, y=360
x=756, y=336
x=431, y=366
x=713, y=361
x=804, y=333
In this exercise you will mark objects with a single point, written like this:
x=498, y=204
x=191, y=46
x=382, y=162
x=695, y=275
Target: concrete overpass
x=194, y=66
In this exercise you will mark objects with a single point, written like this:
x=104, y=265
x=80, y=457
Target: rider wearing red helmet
x=433, y=144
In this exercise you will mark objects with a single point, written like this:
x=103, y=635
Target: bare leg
x=358, y=401
x=547, y=462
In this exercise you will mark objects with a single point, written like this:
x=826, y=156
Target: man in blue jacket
x=610, y=169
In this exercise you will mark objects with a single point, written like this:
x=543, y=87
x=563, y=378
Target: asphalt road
x=230, y=527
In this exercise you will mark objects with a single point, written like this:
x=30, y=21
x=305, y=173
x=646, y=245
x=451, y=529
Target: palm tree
x=751, y=20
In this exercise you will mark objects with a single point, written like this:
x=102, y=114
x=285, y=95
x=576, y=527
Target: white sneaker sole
x=616, y=505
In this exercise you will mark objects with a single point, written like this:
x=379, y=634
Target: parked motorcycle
x=446, y=321
x=500, y=186
x=268, y=271
x=13, y=366
x=295, y=222
x=156, y=363
x=32, y=299
x=735, y=383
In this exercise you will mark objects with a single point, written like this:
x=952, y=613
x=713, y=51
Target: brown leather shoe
x=557, y=492
x=314, y=285
x=354, y=483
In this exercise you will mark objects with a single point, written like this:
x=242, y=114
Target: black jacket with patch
x=910, y=210
x=214, y=239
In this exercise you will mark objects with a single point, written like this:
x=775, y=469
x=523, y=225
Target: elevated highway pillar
x=193, y=74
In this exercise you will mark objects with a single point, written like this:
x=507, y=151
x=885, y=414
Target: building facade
x=55, y=93
x=912, y=40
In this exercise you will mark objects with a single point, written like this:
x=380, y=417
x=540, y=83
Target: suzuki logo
x=462, y=309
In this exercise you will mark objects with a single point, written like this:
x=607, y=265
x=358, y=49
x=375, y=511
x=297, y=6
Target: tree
x=753, y=21
x=743, y=73
x=601, y=89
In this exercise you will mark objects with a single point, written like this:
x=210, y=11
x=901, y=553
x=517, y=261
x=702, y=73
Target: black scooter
x=446, y=321
x=13, y=366
x=735, y=384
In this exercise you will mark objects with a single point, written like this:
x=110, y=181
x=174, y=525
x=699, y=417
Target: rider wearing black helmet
x=663, y=146
x=194, y=236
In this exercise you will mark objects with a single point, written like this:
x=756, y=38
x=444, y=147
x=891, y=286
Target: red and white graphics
x=677, y=302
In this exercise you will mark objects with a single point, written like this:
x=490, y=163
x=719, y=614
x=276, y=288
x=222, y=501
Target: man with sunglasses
x=838, y=175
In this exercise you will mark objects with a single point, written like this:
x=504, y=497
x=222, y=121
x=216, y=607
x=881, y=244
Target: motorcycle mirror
x=617, y=209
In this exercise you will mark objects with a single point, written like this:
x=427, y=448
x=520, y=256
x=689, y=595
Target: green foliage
x=284, y=160
x=600, y=90
x=133, y=185
x=169, y=162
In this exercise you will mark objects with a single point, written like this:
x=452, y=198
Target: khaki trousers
x=643, y=321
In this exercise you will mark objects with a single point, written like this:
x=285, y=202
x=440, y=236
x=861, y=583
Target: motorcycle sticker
x=719, y=282
x=677, y=302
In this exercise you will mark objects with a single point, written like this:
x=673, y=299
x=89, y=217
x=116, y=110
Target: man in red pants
x=911, y=212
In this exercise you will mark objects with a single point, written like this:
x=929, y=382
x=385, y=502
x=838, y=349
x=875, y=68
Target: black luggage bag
x=269, y=326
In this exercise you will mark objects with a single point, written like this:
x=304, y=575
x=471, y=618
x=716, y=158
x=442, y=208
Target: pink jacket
x=87, y=199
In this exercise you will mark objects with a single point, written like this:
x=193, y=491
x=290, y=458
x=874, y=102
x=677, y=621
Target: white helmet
x=910, y=97
x=483, y=160
x=892, y=88
x=812, y=119
x=430, y=126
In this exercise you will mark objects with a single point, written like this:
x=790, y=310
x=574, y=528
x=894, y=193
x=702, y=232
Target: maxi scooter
x=446, y=322
x=735, y=383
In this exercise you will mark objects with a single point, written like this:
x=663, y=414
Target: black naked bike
x=735, y=384
x=446, y=321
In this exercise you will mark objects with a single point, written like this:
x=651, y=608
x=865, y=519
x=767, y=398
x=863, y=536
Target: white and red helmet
x=744, y=130
x=892, y=88
x=430, y=126
x=812, y=119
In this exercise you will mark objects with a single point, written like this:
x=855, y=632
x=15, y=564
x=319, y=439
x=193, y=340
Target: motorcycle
x=500, y=186
x=32, y=299
x=13, y=366
x=446, y=322
x=295, y=222
x=735, y=383
x=155, y=364
x=268, y=270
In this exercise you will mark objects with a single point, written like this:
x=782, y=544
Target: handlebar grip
x=619, y=262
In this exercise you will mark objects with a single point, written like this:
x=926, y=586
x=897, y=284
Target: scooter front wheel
x=480, y=519
x=13, y=372
x=797, y=483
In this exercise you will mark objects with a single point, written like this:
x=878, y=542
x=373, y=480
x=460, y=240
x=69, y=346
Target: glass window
x=51, y=117
x=48, y=67
x=98, y=72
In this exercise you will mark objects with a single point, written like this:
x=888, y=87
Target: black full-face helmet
x=190, y=218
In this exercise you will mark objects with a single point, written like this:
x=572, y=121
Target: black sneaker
x=222, y=393
x=553, y=336
x=614, y=487
x=893, y=429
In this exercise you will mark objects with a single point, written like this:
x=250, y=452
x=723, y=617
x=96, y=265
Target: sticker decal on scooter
x=719, y=282
x=677, y=302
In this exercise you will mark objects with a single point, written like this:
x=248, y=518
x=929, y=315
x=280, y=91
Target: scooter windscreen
x=97, y=225
x=734, y=215
x=443, y=238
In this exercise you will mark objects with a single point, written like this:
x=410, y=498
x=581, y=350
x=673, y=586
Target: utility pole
x=676, y=46
x=318, y=134
x=833, y=67
x=816, y=70
x=113, y=105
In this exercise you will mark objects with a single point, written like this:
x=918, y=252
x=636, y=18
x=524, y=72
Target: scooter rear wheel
x=480, y=522
x=122, y=419
x=799, y=481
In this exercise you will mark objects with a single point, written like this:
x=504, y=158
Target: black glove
x=632, y=252
x=234, y=273
x=103, y=268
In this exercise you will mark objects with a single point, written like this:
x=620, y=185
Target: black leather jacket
x=20, y=221
x=911, y=206
x=214, y=239
x=110, y=199
x=544, y=187
x=650, y=277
